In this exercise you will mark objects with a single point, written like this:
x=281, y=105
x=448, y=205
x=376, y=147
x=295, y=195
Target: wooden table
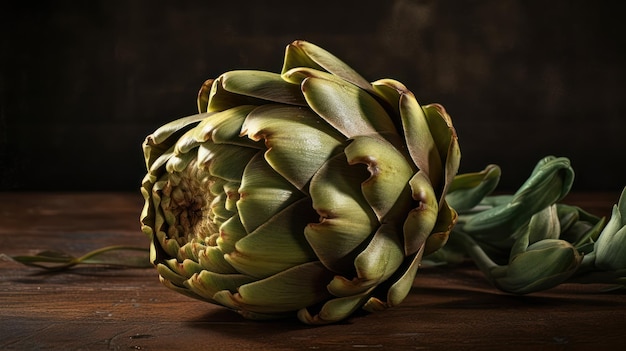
x=90, y=308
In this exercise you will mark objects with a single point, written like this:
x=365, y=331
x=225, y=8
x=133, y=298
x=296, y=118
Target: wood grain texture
x=91, y=308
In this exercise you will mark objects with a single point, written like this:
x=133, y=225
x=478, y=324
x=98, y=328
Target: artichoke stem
x=476, y=253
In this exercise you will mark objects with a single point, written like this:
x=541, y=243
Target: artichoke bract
x=309, y=193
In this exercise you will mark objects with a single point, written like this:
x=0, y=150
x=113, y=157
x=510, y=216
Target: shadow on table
x=225, y=316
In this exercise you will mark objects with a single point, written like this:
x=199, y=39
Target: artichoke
x=309, y=193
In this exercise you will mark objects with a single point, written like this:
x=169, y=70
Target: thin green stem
x=55, y=261
x=478, y=255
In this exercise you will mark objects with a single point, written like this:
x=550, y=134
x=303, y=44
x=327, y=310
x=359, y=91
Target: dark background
x=83, y=82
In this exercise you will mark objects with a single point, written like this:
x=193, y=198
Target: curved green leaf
x=263, y=85
x=169, y=274
x=304, y=54
x=469, y=189
x=377, y=262
x=263, y=193
x=419, y=140
x=290, y=290
x=400, y=288
x=231, y=231
x=212, y=259
x=225, y=160
x=297, y=142
x=446, y=141
x=334, y=310
x=346, y=218
x=390, y=90
x=203, y=95
x=387, y=187
x=207, y=284
x=169, y=130
x=421, y=220
x=277, y=244
x=446, y=220
x=225, y=127
x=299, y=74
x=179, y=162
x=221, y=99
x=352, y=111
x=163, y=139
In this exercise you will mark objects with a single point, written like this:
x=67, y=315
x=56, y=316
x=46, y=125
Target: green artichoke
x=311, y=192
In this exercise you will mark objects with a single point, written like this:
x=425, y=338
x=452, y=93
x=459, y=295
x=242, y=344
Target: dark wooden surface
x=111, y=309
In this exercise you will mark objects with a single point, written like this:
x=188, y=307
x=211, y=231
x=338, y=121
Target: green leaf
x=290, y=290
x=419, y=140
x=277, y=244
x=297, y=141
x=221, y=99
x=207, y=284
x=231, y=231
x=387, y=186
x=382, y=256
x=375, y=264
x=390, y=90
x=401, y=286
x=263, y=85
x=185, y=269
x=304, y=54
x=212, y=259
x=178, y=162
x=421, y=220
x=299, y=74
x=352, y=111
x=203, y=95
x=334, y=310
x=166, y=273
x=469, y=189
x=263, y=193
x=225, y=160
x=440, y=127
x=225, y=127
x=446, y=142
x=346, y=218
x=446, y=220
x=171, y=130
